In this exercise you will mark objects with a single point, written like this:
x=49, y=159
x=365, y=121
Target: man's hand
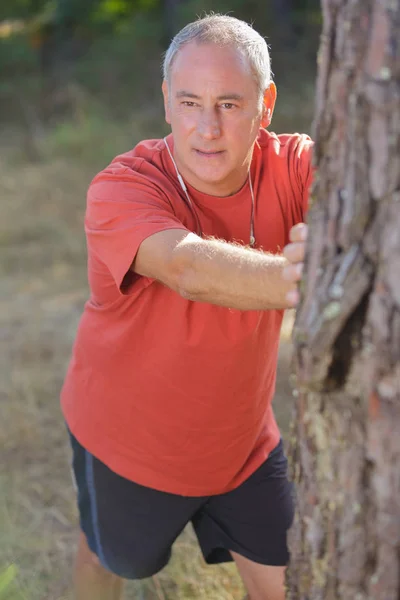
x=294, y=253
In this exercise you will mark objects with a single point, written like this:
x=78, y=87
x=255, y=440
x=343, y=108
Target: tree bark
x=345, y=439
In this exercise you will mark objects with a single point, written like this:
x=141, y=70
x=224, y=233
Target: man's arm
x=208, y=270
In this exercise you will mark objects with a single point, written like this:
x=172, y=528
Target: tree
x=345, y=439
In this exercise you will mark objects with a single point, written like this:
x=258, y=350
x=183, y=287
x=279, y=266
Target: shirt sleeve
x=303, y=171
x=123, y=209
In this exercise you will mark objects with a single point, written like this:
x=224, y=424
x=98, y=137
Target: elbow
x=186, y=280
x=186, y=286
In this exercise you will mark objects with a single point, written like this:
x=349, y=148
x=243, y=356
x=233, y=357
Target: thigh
x=130, y=527
x=251, y=520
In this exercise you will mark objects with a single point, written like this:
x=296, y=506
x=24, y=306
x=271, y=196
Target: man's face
x=213, y=106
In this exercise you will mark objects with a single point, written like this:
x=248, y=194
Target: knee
x=85, y=556
x=141, y=566
x=124, y=562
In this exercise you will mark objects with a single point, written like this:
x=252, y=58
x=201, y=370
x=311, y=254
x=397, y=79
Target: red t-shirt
x=170, y=393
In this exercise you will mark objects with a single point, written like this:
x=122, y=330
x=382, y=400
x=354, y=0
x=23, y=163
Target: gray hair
x=225, y=31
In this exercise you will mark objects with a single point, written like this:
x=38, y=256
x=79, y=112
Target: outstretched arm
x=208, y=270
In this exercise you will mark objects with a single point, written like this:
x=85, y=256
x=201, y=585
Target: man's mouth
x=209, y=153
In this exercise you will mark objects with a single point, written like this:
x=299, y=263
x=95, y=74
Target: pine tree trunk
x=345, y=441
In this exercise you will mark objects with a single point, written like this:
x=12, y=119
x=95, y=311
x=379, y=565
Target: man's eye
x=188, y=103
x=228, y=105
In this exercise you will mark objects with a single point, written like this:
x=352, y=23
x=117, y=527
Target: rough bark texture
x=345, y=442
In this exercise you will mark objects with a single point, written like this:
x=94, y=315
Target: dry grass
x=43, y=275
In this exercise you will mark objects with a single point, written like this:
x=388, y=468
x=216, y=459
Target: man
x=168, y=395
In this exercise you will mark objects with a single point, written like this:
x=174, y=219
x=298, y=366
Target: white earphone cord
x=252, y=239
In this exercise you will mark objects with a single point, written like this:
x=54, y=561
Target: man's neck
x=221, y=189
x=217, y=190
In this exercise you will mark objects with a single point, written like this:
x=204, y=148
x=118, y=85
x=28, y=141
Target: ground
x=44, y=287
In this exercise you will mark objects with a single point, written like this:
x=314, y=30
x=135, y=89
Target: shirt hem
x=106, y=452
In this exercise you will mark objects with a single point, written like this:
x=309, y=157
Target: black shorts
x=131, y=528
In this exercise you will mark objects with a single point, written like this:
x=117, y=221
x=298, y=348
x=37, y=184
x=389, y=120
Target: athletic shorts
x=132, y=528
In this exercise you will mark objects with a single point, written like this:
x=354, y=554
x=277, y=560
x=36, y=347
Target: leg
x=127, y=529
x=262, y=582
x=92, y=580
x=249, y=524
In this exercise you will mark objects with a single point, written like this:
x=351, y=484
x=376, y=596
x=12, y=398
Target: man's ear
x=268, y=104
x=165, y=92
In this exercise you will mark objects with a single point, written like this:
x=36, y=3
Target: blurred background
x=79, y=83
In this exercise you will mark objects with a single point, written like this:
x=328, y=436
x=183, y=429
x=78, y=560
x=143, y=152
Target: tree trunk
x=345, y=440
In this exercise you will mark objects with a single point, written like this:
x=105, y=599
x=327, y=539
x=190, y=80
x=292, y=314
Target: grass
x=43, y=273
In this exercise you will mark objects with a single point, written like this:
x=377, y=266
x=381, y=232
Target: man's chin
x=208, y=176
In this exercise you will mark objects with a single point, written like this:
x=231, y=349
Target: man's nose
x=209, y=125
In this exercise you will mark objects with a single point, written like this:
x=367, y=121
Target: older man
x=168, y=395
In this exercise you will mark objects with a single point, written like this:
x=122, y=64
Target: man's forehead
x=208, y=56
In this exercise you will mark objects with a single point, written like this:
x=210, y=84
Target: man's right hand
x=294, y=253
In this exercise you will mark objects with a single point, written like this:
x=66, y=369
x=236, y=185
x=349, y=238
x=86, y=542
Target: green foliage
x=111, y=51
x=21, y=9
x=93, y=136
x=7, y=578
x=115, y=11
x=16, y=56
x=96, y=139
x=90, y=13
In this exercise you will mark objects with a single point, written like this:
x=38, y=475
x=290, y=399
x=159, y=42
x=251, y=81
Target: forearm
x=233, y=276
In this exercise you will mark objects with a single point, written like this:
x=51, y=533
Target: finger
x=298, y=233
x=293, y=273
x=292, y=298
x=295, y=252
